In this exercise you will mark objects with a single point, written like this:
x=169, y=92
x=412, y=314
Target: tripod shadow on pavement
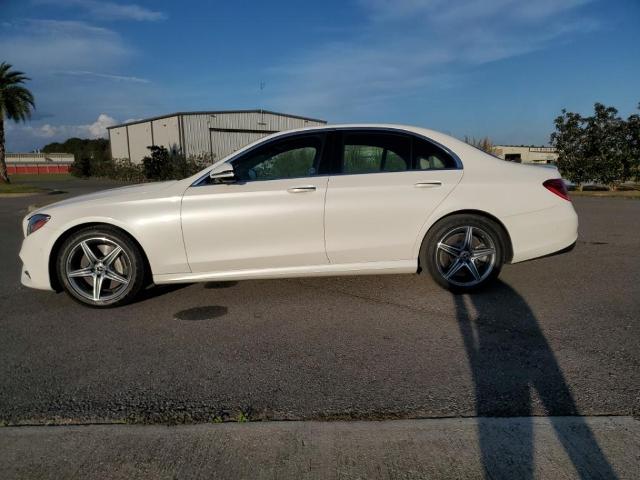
x=511, y=361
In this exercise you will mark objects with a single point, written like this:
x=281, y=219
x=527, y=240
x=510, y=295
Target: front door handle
x=306, y=188
x=433, y=184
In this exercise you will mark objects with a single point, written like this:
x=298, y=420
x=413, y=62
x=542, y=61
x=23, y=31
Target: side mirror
x=223, y=174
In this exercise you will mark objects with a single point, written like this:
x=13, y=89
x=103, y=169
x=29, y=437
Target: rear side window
x=375, y=152
x=428, y=156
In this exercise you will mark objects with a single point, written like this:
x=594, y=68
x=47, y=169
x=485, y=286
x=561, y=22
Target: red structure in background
x=36, y=169
x=38, y=163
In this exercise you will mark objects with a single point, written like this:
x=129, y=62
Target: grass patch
x=242, y=417
x=19, y=188
x=633, y=194
x=29, y=183
x=42, y=177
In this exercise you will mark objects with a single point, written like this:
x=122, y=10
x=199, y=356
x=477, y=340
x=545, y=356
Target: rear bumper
x=541, y=233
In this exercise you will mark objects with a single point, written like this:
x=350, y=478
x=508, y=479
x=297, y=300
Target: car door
x=271, y=217
x=389, y=183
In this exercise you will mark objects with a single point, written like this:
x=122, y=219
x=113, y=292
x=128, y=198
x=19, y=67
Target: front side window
x=375, y=152
x=280, y=159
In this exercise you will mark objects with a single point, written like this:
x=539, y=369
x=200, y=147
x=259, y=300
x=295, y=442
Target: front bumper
x=35, y=262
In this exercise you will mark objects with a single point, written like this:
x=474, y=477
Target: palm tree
x=16, y=103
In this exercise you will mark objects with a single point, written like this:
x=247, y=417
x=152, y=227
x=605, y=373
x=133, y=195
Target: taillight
x=557, y=186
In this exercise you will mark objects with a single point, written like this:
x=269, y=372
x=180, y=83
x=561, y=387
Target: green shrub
x=125, y=171
x=165, y=165
x=81, y=167
x=159, y=165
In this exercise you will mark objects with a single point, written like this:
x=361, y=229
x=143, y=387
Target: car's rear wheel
x=463, y=252
x=101, y=267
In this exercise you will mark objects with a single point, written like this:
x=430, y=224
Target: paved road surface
x=557, y=336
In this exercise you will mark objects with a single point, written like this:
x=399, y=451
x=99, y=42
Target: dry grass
x=19, y=188
x=633, y=194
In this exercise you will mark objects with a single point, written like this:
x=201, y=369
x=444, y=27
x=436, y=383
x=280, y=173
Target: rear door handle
x=433, y=184
x=306, y=188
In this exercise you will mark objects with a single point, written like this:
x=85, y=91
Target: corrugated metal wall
x=118, y=139
x=139, y=140
x=166, y=133
x=200, y=134
x=198, y=140
x=224, y=143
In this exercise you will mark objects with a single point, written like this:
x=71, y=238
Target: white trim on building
x=526, y=154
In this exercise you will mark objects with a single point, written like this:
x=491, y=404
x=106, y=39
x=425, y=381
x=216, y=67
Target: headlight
x=36, y=222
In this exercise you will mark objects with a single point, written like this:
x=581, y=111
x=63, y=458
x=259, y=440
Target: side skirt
x=369, y=268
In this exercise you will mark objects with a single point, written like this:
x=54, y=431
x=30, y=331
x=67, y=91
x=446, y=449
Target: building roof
x=215, y=112
x=525, y=146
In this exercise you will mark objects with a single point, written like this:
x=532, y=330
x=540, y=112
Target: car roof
x=439, y=137
x=457, y=148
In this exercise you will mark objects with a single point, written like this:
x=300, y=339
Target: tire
x=458, y=265
x=101, y=267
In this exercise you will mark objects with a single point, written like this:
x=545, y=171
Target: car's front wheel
x=101, y=267
x=463, y=252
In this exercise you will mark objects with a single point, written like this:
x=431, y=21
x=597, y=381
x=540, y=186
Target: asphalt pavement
x=556, y=336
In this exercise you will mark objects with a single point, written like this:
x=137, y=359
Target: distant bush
x=81, y=167
x=119, y=169
x=161, y=164
x=122, y=169
x=485, y=144
x=165, y=165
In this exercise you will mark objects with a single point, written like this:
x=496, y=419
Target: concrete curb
x=524, y=447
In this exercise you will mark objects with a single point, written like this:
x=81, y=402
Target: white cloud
x=104, y=76
x=46, y=45
x=97, y=129
x=464, y=10
x=100, y=10
x=403, y=47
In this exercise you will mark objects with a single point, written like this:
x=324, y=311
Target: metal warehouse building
x=212, y=134
x=523, y=154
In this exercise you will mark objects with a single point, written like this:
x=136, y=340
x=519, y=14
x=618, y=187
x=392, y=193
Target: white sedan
x=336, y=200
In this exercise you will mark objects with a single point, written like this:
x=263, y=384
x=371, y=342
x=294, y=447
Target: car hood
x=130, y=192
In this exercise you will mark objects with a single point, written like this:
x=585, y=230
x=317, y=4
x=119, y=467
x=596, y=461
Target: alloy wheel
x=465, y=256
x=98, y=269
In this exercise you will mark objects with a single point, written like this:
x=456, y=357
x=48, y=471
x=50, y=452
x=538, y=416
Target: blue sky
x=502, y=68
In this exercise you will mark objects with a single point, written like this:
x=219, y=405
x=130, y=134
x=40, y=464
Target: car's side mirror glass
x=223, y=174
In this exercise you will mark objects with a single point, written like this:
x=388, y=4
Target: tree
x=569, y=140
x=16, y=103
x=601, y=148
x=94, y=148
x=632, y=137
x=605, y=145
x=91, y=155
x=156, y=165
x=485, y=144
